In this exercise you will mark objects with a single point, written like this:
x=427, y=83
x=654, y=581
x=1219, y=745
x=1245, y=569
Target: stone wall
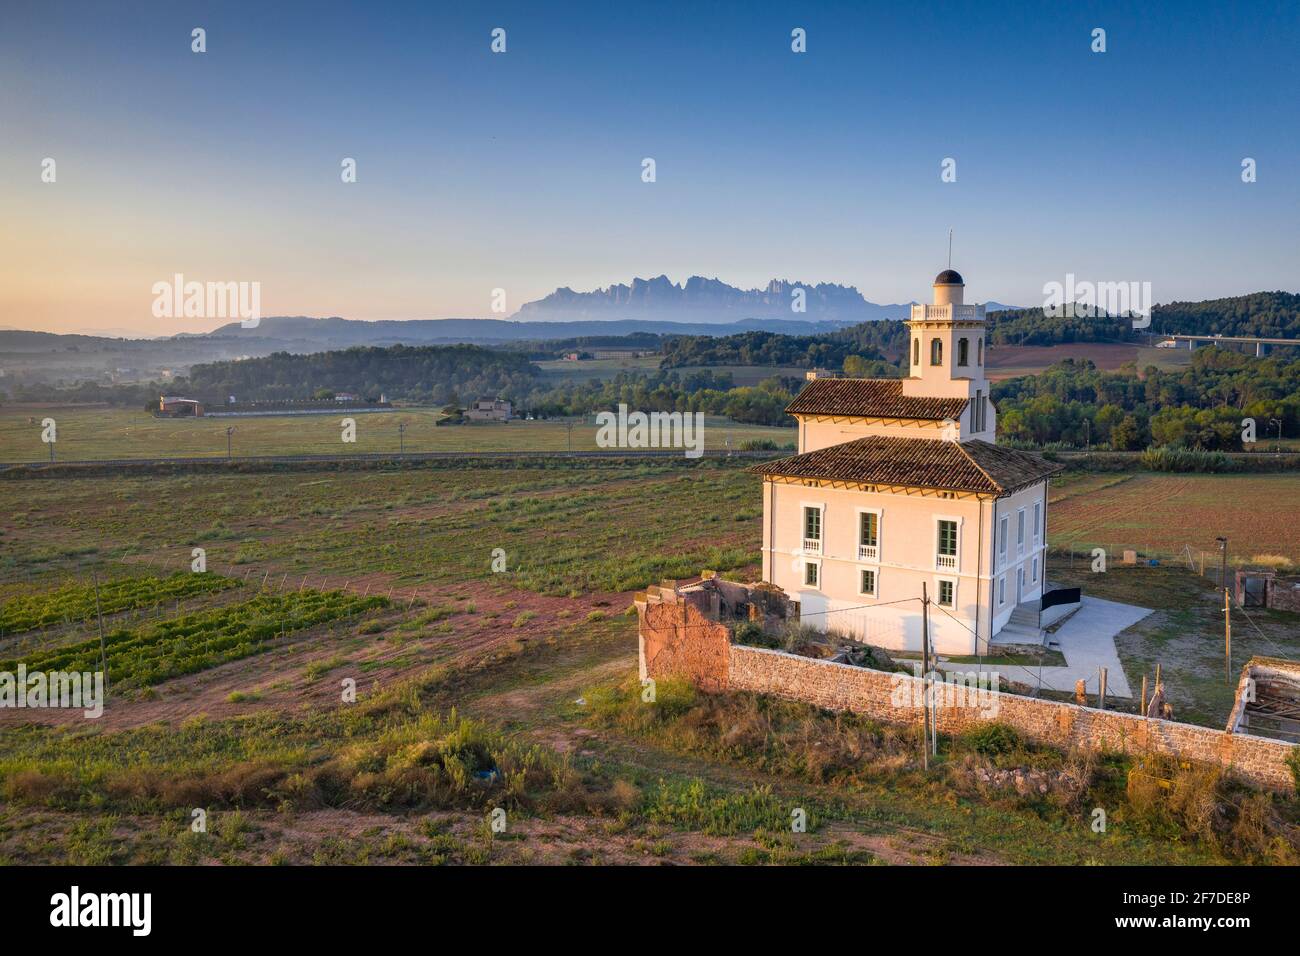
x=1282, y=594
x=680, y=639
x=677, y=638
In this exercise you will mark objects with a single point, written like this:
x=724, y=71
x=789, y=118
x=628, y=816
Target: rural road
x=91, y=466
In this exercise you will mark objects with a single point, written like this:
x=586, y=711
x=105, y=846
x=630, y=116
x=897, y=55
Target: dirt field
x=1010, y=361
x=1161, y=514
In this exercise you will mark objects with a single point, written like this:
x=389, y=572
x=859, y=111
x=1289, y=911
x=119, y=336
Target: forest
x=1202, y=406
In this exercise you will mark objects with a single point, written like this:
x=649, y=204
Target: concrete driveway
x=1087, y=640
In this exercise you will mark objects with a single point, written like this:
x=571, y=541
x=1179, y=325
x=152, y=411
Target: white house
x=899, y=483
x=489, y=410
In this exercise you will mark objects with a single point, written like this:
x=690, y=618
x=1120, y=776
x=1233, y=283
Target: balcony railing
x=868, y=552
x=945, y=562
x=812, y=545
x=945, y=313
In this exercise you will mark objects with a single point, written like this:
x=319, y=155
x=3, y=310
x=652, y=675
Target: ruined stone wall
x=703, y=653
x=1283, y=595
x=678, y=639
x=878, y=695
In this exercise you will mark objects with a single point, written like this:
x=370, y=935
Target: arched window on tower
x=936, y=352
x=979, y=353
x=963, y=351
x=916, y=353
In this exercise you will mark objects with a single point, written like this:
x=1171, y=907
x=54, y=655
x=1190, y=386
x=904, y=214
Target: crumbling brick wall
x=679, y=639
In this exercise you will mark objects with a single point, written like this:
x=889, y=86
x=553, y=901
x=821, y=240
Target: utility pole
x=1223, y=573
x=1227, y=638
x=230, y=430
x=925, y=666
x=401, y=438
x=926, y=716
x=1227, y=611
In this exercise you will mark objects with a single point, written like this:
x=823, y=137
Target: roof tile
x=974, y=466
x=871, y=398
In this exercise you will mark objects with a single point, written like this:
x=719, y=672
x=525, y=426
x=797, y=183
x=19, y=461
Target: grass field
x=477, y=688
x=584, y=371
x=86, y=433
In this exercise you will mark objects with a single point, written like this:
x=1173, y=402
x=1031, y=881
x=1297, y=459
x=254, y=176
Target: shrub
x=691, y=806
x=751, y=633
x=992, y=739
x=1168, y=458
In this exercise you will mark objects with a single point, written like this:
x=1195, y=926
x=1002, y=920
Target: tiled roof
x=871, y=398
x=976, y=466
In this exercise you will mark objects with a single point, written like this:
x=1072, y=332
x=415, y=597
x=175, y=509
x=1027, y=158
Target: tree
x=1127, y=435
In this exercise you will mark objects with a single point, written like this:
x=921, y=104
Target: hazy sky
x=522, y=170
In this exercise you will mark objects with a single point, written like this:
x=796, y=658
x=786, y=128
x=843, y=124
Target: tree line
x=1202, y=406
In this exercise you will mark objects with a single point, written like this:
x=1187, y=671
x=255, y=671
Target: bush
x=752, y=634
x=992, y=739
x=1166, y=458
x=758, y=444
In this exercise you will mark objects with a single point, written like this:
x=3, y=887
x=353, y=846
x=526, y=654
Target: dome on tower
x=948, y=277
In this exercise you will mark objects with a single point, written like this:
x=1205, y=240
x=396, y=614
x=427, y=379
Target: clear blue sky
x=522, y=170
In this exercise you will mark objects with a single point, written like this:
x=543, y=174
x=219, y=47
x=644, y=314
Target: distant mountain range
x=341, y=333
x=712, y=301
x=659, y=306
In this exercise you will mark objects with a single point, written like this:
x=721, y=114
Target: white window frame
x=1004, y=532
x=1020, y=532
x=1002, y=591
x=1038, y=521
x=820, y=547
x=1035, y=580
x=950, y=580
x=815, y=563
x=863, y=552
x=875, y=579
x=955, y=566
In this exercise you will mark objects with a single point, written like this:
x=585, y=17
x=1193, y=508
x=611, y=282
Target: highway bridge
x=1258, y=342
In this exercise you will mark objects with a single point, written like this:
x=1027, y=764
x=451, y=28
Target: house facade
x=899, y=487
x=489, y=410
